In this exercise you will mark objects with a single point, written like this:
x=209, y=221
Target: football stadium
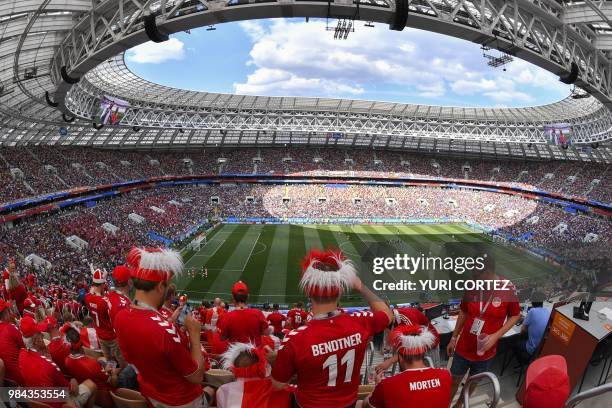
x=306, y=203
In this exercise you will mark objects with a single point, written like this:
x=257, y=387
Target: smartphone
x=181, y=317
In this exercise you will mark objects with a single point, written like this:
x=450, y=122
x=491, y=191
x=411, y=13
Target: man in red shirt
x=327, y=353
x=417, y=385
x=38, y=370
x=58, y=347
x=276, y=320
x=10, y=343
x=99, y=306
x=170, y=371
x=118, y=298
x=297, y=316
x=489, y=314
x=242, y=324
x=83, y=367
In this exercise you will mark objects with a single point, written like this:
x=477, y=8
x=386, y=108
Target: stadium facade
x=62, y=58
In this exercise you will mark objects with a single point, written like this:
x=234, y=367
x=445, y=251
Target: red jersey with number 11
x=326, y=355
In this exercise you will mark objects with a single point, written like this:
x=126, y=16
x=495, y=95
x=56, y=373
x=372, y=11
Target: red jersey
x=10, y=344
x=326, y=355
x=116, y=301
x=243, y=325
x=421, y=387
x=83, y=367
x=39, y=371
x=296, y=318
x=154, y=346
x=496, y=307
x=99, y=310
x=276, y=320
x=59, y=350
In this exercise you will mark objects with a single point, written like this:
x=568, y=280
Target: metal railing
x=496, y=389
x=593, y=392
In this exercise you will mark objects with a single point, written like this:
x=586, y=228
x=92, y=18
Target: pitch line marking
x=251, y=253
x=200, y=254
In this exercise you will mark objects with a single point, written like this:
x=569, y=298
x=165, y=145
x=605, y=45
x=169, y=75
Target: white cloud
x=156, y=53
x=262, y=80
x=290, y=57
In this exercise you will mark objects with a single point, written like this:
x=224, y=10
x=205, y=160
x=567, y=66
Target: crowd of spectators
x=171, y=212
x=49, y=169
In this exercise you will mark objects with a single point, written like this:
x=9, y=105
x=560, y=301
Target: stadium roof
x=47, y=45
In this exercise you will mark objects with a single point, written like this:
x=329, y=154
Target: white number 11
x=332, y=364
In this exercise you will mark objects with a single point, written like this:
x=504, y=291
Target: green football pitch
x=268, y=257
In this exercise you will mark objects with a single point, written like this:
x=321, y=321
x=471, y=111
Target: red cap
x=547, y=383
x=121, y=274
x=29, y=303
x=4, y=304
x=183, y=299
x=29, y=327
x=240, y=288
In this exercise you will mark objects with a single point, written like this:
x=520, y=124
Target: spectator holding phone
x=170, y=372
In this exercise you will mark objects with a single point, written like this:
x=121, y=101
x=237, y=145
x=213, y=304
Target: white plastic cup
x=480, y=342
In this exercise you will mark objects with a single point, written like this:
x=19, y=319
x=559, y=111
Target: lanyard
x=482, y=311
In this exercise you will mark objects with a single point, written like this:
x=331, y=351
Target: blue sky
x=289, y=57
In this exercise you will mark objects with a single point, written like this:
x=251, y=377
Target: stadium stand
x=120, y=239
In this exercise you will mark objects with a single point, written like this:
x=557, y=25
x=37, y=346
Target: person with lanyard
x=327, y=353
x=484, y=318
x=170, y=371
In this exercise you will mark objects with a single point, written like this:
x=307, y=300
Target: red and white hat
x=412, y=340
x=327, y=273
x=547, y=383
x=121, y=274
x=98, y=275
x=257, y=370
x=154, y=264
